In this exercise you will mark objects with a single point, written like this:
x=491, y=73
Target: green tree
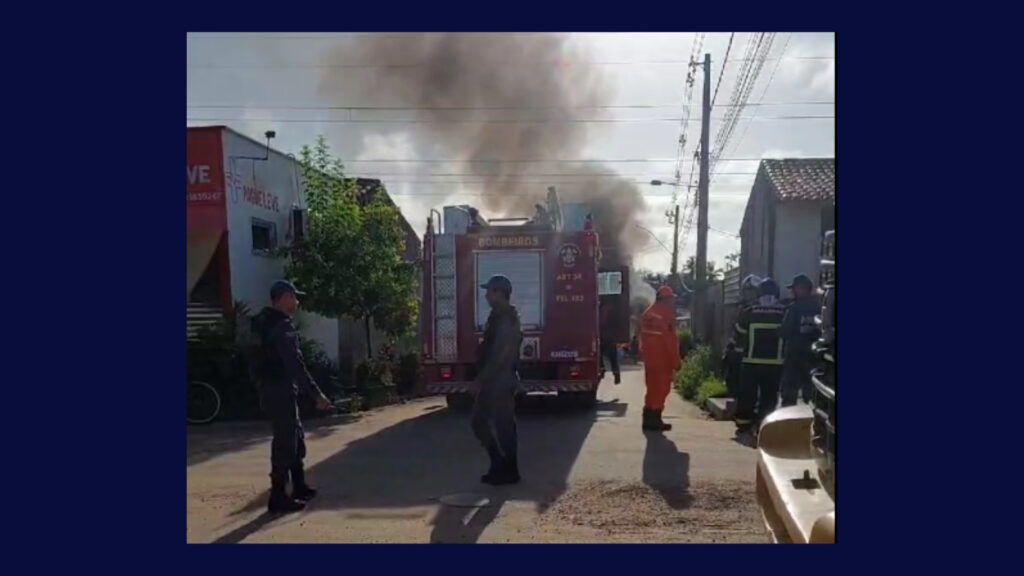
x=732, y=260
x=714, y=274
x=350, y=262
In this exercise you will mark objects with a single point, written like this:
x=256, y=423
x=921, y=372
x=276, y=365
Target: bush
x=373, y=383
x=407, y=373
x=698, y=367
x=685, y=342
x=711, y=388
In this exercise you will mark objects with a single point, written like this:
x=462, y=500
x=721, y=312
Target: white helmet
x=751, y=281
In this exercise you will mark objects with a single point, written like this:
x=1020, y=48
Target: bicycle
x=202, y=403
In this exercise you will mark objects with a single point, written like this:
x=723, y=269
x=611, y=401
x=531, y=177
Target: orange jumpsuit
x=660, y=348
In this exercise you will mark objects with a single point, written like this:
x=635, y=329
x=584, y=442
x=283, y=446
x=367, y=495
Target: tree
x=732, y=260
x=350, y=261
x=689, y=275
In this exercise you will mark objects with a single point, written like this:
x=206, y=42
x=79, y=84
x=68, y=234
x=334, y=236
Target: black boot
x=301, y=490
x=280, y=502
x=507, y=474
x=618, y=378
x=496, y=466
x=661, y=423
x=650, y=421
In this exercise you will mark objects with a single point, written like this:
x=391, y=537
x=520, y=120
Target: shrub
x=408, y=372
x=698, y=367
x=711, y=388
x=685, y=342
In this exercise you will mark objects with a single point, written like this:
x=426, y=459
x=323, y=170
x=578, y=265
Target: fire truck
x=554, y=262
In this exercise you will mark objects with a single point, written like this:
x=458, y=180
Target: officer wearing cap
x=493, y=418
x=282, y=375
x=757, y=331
x=799, y=331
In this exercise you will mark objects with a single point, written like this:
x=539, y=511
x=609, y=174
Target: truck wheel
x=459, y=402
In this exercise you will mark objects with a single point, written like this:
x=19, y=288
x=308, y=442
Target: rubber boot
x=650, y=421
x=301, y=490
x=661, y=423
x=618, y=379
x=280, y=502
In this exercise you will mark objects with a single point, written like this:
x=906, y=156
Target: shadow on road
x=667, y=470
x=419, y=460
x=204, y=443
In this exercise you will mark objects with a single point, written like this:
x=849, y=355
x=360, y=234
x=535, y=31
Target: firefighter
x=757, y=332
x=607, y=337
x=799, y=331
x=282, y=375
x=733, y=355
x=660, y=348
x=493, y=419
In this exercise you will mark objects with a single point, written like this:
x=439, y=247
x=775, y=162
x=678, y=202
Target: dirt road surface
x=589, y=476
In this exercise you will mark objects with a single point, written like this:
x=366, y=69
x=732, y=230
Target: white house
x=240, y=199
x=792, y=204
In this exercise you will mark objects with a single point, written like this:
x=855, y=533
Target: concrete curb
x=720, y=408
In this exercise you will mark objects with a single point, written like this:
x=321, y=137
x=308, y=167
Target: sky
x=258, y=82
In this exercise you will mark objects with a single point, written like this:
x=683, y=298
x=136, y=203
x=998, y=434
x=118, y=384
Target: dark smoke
x=505, y=73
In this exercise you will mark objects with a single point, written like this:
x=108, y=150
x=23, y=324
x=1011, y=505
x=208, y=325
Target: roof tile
x=802, y=178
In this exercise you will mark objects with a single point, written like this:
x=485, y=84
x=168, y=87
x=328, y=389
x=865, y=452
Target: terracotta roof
x=802, y=178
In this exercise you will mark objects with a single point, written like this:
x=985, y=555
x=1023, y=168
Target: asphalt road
x=589, y=476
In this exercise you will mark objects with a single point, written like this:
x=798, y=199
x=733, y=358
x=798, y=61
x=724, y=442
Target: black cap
x=282, y=286
x=801, y=280
x=498, y=282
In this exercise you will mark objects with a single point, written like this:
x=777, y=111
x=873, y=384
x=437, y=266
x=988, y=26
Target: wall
x=266, y=190
x=798, y=236
x=755, y=235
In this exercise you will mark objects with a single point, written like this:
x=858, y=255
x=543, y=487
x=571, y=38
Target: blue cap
x=282, y=286
x=498, y=282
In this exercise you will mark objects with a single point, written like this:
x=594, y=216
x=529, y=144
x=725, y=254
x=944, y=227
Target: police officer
x=799, y=331
x=282, y=374
x=757, y=332
x=733, y=356
x=493, y=418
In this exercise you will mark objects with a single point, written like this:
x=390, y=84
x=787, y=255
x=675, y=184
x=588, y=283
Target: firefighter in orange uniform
x=660, y=348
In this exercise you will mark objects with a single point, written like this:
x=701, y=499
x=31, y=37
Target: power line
x=474, y=108
x=494, y=63
x=721, y=73
x=538, y=160
x=544, y=121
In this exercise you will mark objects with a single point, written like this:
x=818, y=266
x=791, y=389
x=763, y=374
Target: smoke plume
x=487, y=97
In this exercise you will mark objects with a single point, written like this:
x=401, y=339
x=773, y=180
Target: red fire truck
x=558, y=283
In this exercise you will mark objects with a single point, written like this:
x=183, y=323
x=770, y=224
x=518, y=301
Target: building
x=792, y=203
x=240, y=199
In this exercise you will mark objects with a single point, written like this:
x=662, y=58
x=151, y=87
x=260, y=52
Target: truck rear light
x=446, y=373
x=574, y=371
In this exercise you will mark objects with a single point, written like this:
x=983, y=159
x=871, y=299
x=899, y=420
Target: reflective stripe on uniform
x=750, y=345
x=771, y=361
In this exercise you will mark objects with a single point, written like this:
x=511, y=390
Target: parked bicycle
x=202, y=403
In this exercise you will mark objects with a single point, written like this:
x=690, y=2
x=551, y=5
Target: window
x=264, y=236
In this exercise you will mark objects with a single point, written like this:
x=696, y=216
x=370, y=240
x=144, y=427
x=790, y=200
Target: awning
x=201, y=246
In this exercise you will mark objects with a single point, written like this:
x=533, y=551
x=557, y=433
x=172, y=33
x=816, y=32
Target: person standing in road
x=659, y=345
x=282, y=374
x=607, y=337
x=799, y=332
x=757, y=333
x=497, y=383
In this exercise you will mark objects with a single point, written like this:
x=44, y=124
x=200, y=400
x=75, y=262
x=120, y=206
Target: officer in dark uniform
x=732, y=358
x=607, y=338
x=282, y=374
x=799, y=331
x=758, y=333
x=493, y=418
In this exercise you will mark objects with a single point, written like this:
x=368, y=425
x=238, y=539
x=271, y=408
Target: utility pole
x=674, y=277
x=700, y=274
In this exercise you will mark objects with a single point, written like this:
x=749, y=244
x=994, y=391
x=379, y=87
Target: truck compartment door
x=524, y=269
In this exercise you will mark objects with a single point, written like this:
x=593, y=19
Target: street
x=588, y=477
